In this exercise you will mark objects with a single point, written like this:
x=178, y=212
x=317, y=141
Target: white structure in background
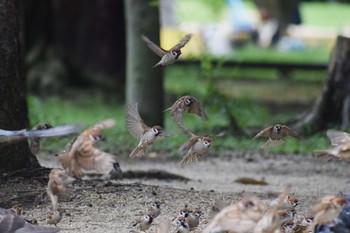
x=217, y=38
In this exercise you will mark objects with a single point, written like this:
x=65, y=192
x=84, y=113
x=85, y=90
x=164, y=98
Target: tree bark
x=144, y=84
x=13, y=106
x=332, y=107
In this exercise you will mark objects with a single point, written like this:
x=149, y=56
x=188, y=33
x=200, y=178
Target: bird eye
x=174, y=53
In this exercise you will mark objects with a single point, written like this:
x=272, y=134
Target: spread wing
x=264, y=133
x=155, y=48
x=286, y=131
x=192, y=138
x=182, y=42
x=338, y=137
x=134, y=123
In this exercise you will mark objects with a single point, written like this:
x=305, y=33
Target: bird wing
x=188, y=132
x=286, y=131
x=197, y=109
x=134, y=123
x=155, y=48
x=177, y=111
x=264, y=133
x=337, y=137
x=182, y=42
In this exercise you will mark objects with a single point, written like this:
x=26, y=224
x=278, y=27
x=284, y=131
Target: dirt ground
x=101, y=206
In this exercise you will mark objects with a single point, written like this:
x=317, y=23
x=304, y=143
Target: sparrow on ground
x=189, y=104
x=193, y=218
x=57, y=185
x=54, y=217
x=154, y=209
x=11, y=222
x=167, y=56
x=275, y=134
x=182, y=226
x=183, y=213
x=39, y=131
x=137, y=128
x=80, y=157
x=340, y=141
x=195, y=147
x=143, y=223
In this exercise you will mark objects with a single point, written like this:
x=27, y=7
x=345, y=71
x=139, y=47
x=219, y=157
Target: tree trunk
x=144, y=84
x=13, y=108
x=332, y=107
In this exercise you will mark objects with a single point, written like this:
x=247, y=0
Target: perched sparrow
x=141, y=131
x=242, y=216
x=16, y=209
x=168, y=56
x=195, y=147
x=275, y=134
x=11, y=223
x=154, y=209
x=39, y=131
x=182, y=226
x=189, y=104
x=144, y=223
x=193, y=218
x=57, y=185
x=341, y=141
x=81, y=157
x=53, y=218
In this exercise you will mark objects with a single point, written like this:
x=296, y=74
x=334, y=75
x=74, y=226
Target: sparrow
x=39, y=131
x=326, y=210
x=340, y=141
x=137, y=128
x=53, y=218
x=144, y=223
x=195, y=147
x=241, y=216
x=182, y=226
x=57, y=185
x=186, y=103
x=11, y=223
x=193, y=218
x=275, y=134
x=80, y=157
x=183, y=213
x=167, y=56
x=154, y=209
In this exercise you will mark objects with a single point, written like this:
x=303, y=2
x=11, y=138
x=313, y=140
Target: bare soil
x=111, y=206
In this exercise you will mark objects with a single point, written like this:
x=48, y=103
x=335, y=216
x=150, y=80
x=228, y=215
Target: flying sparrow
x=144, y=223
x=195, y=147
x=341, y=141
x=57, y=185
x=53, y=218
x=186, y=103
x=141, y=131
x=80, y=157
x=275, y=134
x=167, y=56
x=39, y=131
x=242, y=216
x=11, y=222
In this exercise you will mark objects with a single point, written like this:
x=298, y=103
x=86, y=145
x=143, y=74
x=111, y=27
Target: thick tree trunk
x=13, y=108
x=144, y=83
x=332, y=107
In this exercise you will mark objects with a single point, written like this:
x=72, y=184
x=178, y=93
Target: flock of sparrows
x=80, y=158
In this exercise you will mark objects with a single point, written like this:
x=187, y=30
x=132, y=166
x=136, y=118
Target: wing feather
x=286, y=131
x=182, y=42
x=337, y=137
x=264, y=133
x=155, y=48
x=134, y=123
